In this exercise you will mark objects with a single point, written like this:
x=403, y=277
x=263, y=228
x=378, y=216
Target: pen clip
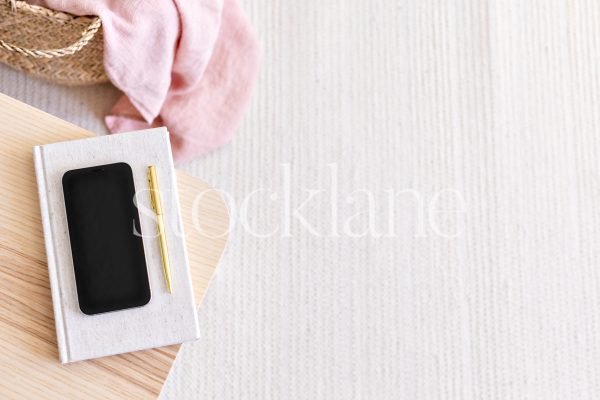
x=152, y=199
x=154, y=195
x=151, y=190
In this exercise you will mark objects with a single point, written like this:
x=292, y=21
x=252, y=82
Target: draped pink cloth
x=188, y=65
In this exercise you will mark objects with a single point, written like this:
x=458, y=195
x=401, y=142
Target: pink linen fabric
x=188, y=65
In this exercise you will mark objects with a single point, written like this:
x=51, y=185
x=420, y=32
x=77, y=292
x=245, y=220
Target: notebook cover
x=168, y=318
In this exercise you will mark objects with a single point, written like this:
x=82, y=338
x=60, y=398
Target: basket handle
x=86, y=36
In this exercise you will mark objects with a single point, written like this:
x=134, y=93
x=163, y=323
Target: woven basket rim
x=86, y=35
x=58, y=16
x=34, y=39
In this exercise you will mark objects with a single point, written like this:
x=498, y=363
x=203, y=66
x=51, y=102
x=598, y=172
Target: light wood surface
x=29, y=365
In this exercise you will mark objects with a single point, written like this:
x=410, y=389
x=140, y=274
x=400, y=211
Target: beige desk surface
x=29, y=366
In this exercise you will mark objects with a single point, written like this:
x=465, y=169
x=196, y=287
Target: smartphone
x=105, y=236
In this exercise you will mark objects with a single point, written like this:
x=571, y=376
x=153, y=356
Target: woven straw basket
x=51, y=45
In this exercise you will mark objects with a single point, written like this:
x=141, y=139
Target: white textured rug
x=495, y=100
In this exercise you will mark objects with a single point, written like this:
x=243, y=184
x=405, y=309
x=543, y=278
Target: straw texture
x=54, y=46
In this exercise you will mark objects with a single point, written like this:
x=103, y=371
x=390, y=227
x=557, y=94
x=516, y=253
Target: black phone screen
x=106, y=243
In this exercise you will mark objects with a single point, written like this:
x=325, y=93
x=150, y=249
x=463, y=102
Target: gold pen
x=157, y=206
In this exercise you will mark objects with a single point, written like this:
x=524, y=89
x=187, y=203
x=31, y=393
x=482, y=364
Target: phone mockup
x=105, y=235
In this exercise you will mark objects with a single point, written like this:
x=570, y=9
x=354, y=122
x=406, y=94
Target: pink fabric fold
x=188, y=65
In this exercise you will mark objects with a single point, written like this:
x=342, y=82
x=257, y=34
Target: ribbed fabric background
x=497, y=100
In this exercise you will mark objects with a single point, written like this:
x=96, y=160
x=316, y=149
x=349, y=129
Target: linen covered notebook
x=105, y=267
